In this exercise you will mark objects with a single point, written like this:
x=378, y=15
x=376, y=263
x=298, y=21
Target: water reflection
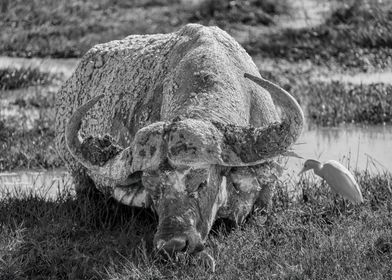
x=44, y=183
x=361, y=78
x=358, y=148
x=55, y=66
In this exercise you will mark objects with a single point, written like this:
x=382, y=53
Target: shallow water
x=306, y=14
x=358, y=148
x=384, y=77
x=44, y=183
x=51, y=65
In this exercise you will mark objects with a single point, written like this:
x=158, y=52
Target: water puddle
x=306, y=14
x=358, y=148
x=44, y=183
x=361, y=78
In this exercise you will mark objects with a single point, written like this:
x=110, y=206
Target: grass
x=356, y=35
x=28, y=148
x=27, y=123
x=223, y=12
x=67, y=29
x=331, y=103
x=336, y=102
x=14, y=78
x=59, y=28
x=317, y=237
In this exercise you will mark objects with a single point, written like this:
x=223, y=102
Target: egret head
x=310, y=164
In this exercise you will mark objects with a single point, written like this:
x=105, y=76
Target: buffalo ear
x=243, y=189
x=249, y=187
x=98, y=150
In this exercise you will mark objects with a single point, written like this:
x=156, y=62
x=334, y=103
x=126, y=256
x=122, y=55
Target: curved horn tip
x=251, y=77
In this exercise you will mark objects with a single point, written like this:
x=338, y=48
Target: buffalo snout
x=189, y=242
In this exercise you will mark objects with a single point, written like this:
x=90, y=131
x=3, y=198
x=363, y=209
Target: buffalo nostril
x=172, y=245
x=198, y=248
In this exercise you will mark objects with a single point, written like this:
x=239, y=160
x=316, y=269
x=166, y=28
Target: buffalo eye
x=201, y=186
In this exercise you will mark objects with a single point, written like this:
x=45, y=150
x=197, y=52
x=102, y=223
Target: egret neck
x=316, y=166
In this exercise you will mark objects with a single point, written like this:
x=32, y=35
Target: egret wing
x=342, y=181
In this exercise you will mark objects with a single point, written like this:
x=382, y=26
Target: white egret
x=338, y=178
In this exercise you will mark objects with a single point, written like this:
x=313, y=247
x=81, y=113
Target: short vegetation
x=16, y=78
x=223, y=12
x=317, y=237
x=335, y=103
x=65, y=29
x=69, y=28
x=27, y=136
x=28, y=148
x=355, y=35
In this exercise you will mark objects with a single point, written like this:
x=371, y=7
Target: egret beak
x=303, y=170
x=291, y=154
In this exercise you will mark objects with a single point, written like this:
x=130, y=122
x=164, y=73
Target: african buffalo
x=178, y=122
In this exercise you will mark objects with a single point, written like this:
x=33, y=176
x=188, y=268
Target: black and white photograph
x=195, y=139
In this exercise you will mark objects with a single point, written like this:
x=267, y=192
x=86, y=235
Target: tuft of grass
x=316, y=237
x=14, y=78
x=28, y=148
x=356, y=35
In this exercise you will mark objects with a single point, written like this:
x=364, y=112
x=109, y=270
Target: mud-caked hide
x=179, y=122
